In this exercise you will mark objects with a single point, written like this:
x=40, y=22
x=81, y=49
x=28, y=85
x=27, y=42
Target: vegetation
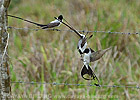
x=52, y=56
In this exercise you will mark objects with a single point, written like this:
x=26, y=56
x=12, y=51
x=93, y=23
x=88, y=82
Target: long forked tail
x=88, y=74
x=27, y=21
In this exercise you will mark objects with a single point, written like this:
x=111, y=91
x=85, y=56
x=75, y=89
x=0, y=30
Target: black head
x=86, y=50
x=60, y=17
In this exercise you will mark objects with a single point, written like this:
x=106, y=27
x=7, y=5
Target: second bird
x=52, y=24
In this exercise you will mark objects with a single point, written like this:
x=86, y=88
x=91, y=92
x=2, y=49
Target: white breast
x=55, y=21
x=86, y=58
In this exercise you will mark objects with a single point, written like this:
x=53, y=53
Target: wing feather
x=51, y=25
x=98, y=54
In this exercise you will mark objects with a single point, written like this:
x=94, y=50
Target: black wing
x=98, y=54
x=50, y=25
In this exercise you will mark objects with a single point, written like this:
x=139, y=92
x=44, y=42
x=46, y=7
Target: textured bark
x=5, y=87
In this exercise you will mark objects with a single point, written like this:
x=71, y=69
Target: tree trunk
x=5, y=87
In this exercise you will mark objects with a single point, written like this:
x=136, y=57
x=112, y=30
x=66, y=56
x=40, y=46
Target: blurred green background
x=52, y=56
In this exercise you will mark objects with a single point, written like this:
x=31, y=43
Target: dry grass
x=48, y=56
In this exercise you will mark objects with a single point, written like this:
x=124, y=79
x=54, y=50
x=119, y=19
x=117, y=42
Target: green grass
x=51, y=56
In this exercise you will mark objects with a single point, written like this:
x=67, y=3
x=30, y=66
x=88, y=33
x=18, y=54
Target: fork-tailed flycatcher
x=52, y=24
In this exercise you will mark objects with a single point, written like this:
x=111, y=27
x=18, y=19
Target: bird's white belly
x=55, y=21
x=86, y=58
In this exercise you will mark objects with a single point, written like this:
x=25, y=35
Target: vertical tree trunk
x=5, y=88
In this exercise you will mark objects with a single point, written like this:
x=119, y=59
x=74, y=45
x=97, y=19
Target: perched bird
x=52, y=24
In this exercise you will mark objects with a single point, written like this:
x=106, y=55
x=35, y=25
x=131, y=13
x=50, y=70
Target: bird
x=52, y=24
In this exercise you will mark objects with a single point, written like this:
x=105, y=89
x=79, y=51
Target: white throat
x=55, y=21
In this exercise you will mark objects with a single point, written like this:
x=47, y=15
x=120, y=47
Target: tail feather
x=69, y=26
x=88, y=74
x=41, y=25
